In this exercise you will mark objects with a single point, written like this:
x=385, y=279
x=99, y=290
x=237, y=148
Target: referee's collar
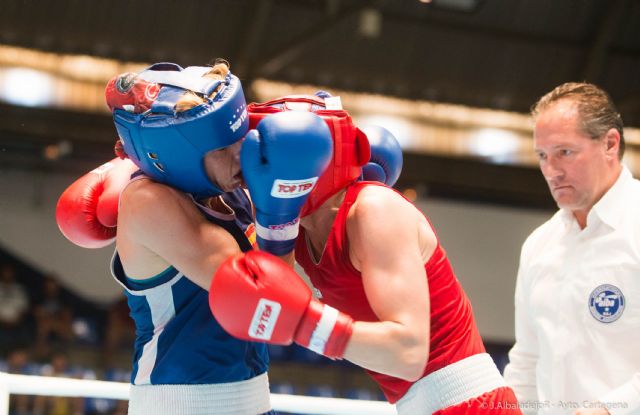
x=609, y=209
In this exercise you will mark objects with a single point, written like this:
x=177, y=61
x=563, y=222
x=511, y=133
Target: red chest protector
x=454, y=335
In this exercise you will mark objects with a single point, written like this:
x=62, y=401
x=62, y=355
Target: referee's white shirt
x=578, y=310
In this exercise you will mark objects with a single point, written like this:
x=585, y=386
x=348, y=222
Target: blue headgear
x=169, y=146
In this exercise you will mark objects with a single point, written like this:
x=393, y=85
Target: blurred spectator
x=57, y=405
x=119, y=332
x=18, y=363
x=362, y=394
x=14, y=304
x=102, y=406
x=119, y=407
x=323, y=391
x=53, y=318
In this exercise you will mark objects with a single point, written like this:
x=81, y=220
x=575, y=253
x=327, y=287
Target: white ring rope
x=50, y=386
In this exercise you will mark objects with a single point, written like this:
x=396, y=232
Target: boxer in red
x=390, y=301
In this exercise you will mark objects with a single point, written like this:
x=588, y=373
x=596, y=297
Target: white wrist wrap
x=321, y=334
x=281, y=232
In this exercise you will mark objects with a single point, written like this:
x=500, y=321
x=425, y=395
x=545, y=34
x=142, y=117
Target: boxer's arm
x=158, y=226
x=385, y=245
x=289, y=258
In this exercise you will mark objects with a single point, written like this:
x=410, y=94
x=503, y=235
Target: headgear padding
x=350, y=146
x=169, y=146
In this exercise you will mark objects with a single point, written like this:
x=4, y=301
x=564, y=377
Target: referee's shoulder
x=543, y=234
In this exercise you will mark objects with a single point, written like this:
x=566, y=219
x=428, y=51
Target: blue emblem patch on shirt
x=606, y=303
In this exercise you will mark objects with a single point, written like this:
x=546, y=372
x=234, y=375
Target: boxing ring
x=50, y=386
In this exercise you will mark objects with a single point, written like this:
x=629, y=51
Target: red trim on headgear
x=350, y=145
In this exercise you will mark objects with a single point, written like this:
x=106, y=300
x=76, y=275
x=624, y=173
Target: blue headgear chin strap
x=169, y=146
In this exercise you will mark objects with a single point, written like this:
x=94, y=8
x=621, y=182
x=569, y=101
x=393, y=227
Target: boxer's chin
x=240, y=179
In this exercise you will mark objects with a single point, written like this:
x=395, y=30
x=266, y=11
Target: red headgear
x=350, y=145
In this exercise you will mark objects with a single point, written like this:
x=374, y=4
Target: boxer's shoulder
x=148, y=195
x=382, y=214
x=152, y=210
x=375, y=202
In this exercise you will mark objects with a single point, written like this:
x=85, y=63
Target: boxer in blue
x=182, y=213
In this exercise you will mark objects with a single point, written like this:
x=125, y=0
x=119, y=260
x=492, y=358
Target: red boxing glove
x=87, y=211
x=130, y=92
x=258, y=297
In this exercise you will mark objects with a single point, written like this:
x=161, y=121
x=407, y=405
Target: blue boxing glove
x=281, y=161
x=385, y=164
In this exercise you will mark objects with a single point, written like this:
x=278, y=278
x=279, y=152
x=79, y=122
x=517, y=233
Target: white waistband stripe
x=234, y=398
x=451, y=385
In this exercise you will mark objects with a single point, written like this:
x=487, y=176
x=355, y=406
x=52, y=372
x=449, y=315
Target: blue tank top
x=178, y=341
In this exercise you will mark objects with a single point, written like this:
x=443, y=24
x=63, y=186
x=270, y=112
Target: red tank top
x=454, y=335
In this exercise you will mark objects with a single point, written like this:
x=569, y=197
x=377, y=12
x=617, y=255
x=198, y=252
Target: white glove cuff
x=280, y=232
